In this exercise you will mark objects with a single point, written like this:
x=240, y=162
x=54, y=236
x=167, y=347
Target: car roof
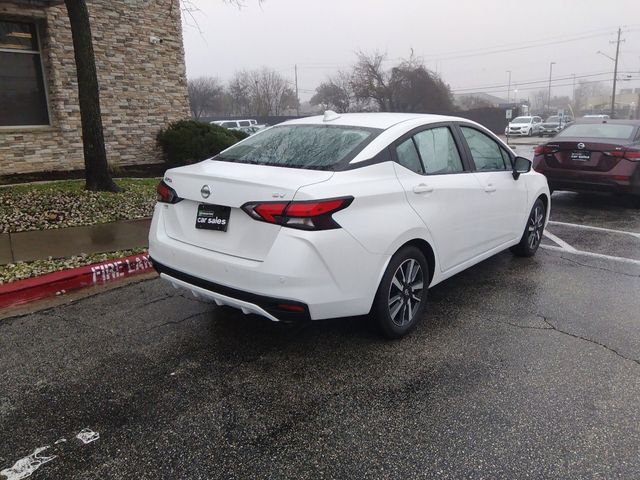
x=380, y=120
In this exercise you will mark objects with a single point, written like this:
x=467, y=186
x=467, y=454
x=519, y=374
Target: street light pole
x=549, y=94
x=295, y=68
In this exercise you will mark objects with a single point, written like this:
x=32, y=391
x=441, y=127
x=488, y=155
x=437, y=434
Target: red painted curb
x=58, y=283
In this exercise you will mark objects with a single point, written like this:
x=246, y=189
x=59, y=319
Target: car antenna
x=330, y=115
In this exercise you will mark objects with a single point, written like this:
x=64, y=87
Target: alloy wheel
x=535, y=226
x=405, y=292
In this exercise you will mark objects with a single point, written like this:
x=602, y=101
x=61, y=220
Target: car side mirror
x=521, y=165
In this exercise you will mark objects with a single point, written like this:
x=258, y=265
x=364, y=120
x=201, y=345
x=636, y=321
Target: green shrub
x=189, y=141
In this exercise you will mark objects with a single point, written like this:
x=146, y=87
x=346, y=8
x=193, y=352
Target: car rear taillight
x=629, y=154
x=544, y=150
x=166, y=194
x=304, y=215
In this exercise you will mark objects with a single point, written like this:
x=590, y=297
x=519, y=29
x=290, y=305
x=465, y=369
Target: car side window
x=487, y=154
x=438, y=151
x=408, y=156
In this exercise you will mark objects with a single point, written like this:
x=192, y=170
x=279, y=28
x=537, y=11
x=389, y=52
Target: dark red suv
x=601, y=155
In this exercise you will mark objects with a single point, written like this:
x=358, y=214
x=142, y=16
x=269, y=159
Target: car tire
x=404, y=282
x=530, y=132
x=532, y=235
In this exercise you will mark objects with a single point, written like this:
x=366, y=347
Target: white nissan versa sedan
x=345, y=215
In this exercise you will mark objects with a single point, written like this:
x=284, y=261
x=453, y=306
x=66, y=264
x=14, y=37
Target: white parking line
x=564, y=245
x=591, y=254
x=589, y=227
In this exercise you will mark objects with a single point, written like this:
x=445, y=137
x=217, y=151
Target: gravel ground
x=40, y=206
x=21, y=270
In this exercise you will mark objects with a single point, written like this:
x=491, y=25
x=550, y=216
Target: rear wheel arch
x=426, y=250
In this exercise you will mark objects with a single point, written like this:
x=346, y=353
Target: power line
x=538, y=87
x=597, y=32
x=519, y=84
x=514, y=49
x=528, y=82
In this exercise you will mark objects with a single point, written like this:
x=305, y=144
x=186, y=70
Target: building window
x=23, y=99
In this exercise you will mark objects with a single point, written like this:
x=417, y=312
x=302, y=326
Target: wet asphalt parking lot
x=522, y=368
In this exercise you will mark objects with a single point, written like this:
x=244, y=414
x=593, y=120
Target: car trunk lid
x=586, y=155
x=232, y=185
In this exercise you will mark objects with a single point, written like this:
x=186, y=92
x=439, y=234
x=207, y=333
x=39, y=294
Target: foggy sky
x=321, y=36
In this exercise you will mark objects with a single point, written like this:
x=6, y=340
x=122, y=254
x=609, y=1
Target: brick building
x=140, y=64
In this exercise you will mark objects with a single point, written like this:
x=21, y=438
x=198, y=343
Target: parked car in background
x=593, y=156
x=524, y=126
x=345, y=215
x=235, y=123
x=554, y=124
x=252, y=129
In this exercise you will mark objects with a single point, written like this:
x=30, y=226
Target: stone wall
x=142, y=85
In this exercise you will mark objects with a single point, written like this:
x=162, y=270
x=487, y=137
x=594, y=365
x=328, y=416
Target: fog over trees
x=259, y=92
x=406, y=87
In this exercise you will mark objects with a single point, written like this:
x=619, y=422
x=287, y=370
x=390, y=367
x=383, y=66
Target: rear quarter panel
x=380, y=218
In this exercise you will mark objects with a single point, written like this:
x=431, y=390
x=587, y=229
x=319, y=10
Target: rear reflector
x=290, y=307
x=306, y=215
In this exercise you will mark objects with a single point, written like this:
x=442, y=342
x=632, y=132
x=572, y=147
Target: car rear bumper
x=275, y=309
x=623, y=178
x=328, y=273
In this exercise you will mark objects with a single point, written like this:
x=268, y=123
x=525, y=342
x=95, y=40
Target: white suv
x=524, y=126
x=345, y=215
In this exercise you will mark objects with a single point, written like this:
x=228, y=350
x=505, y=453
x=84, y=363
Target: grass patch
x=21, y=270
x=48, y=205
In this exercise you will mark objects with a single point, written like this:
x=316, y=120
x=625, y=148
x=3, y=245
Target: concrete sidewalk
x=67, y=242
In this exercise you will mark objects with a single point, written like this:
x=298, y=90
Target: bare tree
x=407, y=87
x=335, y=94
x=370, y=81
x=206, y=96
x=260, y=92
x=416, y=89
x=239, y=93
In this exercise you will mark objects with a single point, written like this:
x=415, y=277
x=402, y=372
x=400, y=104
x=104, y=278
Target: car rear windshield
x=319, y=147
x=598, y=130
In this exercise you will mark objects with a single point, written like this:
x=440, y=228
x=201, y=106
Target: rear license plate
x=213, y=217
x=580, y=156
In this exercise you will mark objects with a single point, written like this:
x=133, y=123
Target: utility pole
x=549, y=94
x=615, y=73
x=295, y=68
x=509, y=87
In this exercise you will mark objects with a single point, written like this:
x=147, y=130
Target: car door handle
x=422, y=188
x=489, y=188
